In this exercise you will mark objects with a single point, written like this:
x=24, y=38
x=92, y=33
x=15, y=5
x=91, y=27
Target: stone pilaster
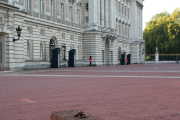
x=93, y=14
x=102, y=12
x=113, y=14
x=107, y=5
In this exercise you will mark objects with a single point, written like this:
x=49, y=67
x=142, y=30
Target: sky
x=152, y=7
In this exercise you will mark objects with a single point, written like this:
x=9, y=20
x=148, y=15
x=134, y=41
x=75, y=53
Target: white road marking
x=110, y=71
x=94, y=76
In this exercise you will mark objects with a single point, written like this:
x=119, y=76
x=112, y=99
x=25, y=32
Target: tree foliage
x=163, y=32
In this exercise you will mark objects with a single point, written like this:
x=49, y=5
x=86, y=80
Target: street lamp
x=18, y=30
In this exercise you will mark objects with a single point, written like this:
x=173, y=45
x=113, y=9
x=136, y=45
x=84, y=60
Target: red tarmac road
x=135, y=92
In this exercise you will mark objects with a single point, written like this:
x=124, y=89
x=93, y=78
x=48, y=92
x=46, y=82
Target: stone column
x=47, y=7
x=93, y=14
x=113, y=14
x=107, y=47
x=102, y=12
x=36, y=6
x=98, y=11
x=106, y=13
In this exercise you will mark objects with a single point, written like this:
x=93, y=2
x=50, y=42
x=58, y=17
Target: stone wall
x=82, y=30
x=37, y=30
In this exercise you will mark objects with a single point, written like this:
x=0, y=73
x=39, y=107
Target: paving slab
x=34, y=95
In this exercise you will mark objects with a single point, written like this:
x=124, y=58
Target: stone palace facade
x=103, y=29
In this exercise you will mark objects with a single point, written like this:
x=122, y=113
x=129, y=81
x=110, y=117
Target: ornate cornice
x=7, y=6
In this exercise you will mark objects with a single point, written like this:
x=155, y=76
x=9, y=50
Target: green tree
x=155, y=33
x=174, y=31
x=163, y=31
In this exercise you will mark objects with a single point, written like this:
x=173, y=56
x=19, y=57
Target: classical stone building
x=103, y=29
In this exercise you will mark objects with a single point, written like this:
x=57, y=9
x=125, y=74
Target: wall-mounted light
x=52, y=43
x=18, y=30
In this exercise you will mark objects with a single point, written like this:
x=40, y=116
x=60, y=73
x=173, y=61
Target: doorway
x=123, y=57
x=55, y=58
x=129, y=59
x=54, y=53
x=71, y=61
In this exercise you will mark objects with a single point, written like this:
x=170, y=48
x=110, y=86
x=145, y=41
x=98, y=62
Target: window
x=62, y=11
x=1, y=20
x=64, y=52
x=42, y=6
x=79, y=16
x=72, y=37
x=43, y=50
x=128, y=31
x=119, y=53
x=58, y=9
x=86, y=19
x=71, y=13
x=63, y=36
x=111, y=54
x=21, y=2
x=1, y=51
x=29, y=5
x=128, y=13
x=87, y=6
x=120, y=28
x=103, y=58
x=52, y=8
x=48, y=7
x=29, y=50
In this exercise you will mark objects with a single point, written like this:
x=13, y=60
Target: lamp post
x=18, y=30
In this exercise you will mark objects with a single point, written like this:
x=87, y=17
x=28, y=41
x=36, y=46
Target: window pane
x=0, y=51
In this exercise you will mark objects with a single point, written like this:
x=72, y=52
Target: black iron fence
x=163, y=57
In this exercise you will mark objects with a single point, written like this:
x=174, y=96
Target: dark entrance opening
x=54, y=53
x=129, y=59
x=122, y=59
x=71, y=60
x=55, y=58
